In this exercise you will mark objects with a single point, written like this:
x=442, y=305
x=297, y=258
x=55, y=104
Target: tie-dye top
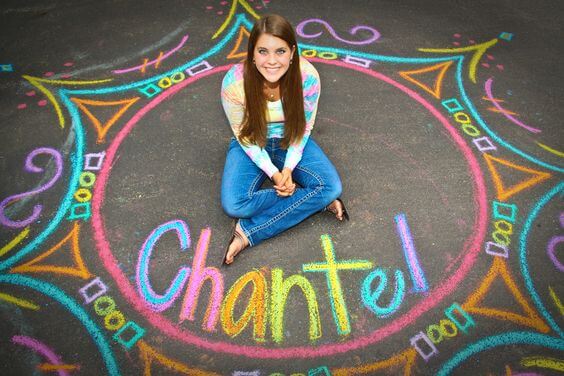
x=233, y=101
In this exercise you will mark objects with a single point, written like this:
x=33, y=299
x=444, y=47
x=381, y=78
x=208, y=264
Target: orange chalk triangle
x=435, y=72
x=400, y=364
x=152, y=358
x=239, y=50
x=532, y=178
x=69, y=245
x=87, y=106
x=528, y=317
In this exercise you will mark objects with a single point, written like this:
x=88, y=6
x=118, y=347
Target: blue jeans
x=262, y=213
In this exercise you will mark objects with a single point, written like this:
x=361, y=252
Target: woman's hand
x=283, y=183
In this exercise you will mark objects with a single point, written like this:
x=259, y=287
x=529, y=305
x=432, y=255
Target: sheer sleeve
x=311, y=91
x=233, y=102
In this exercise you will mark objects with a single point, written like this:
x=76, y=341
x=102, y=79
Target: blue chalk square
x=506, y=36
x=76, y=214
x=504, y=211
x=6, y=68
x=319, y=371
x=150, y=90
x=455, y=307
x=139, y=332
x=452, y=105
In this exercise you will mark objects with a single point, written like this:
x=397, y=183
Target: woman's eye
x=262, y=52
x=281, y=52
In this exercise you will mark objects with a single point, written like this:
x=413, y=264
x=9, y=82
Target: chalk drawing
x=38, y=264
x=156, y=61
x=41, y=349
x=19, y=302
x=14, y=242
x=507, y=114
x=300, y=31
x=249, y=318
x=543, y=362
x=31, y=167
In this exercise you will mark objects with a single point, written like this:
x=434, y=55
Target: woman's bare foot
x=238, y=243
x=337, y=208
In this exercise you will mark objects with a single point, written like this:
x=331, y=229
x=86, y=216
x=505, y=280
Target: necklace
x=270, y=93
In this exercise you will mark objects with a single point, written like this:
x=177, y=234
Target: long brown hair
x=253, y=130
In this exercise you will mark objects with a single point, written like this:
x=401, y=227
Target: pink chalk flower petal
x=30, y=93
x=42, y=102
x=21, y=106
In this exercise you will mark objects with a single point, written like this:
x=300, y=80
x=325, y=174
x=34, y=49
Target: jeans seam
x=294, y=205
x=253, y=185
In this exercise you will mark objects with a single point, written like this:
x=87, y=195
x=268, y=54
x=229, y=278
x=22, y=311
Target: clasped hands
x=283, y=183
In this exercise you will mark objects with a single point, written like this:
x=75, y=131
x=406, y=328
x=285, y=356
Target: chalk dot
x=220, y=12
x=49, y=74
x=66, y=75
x=472, y=41
x=457, y=35
x=266, y=1
x=258, y=7
x=485, y=65
x=490, y=57
x=30, y=93
x=42, y=102
x=500, y=67
x=209, y=7
x=456, y=43
x=223, y=3
x=21, y=106
x=68, y=64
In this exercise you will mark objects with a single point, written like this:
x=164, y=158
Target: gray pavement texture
x=444, y=119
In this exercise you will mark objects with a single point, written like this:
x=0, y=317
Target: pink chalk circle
x=490, y=57
x=21, y=106
x=266, y=1
x=66, y=75
x=258, y=7
x=456, y=43
x=500, y=67
x=220, y=12
x=68, y=64
x=209, y=7
x=485, y=65
x=457, y=35
x=42, y=102
x=49, y=74
x=30, y=93
x=472, y=41
x=471, y=247
x=224, y=3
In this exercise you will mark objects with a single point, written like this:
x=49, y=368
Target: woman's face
x=272, y=57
